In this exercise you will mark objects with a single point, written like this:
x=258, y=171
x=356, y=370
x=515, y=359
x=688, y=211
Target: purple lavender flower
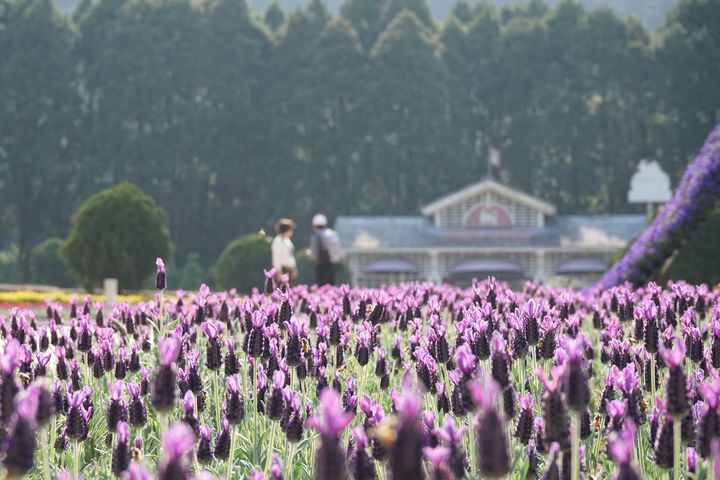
x=330, y=420
x=136, y=472
x=121, y=450
x=21, y=443
x=177, y=447
x=160, y=275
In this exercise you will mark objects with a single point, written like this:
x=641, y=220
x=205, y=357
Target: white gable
x=488, y=204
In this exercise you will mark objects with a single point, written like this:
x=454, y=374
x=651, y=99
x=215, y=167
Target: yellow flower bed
x=32, y=297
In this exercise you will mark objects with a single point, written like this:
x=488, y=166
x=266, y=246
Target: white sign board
x=110, y=289
x=649, y=184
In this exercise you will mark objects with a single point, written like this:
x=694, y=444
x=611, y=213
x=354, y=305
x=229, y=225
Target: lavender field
x=409, y=381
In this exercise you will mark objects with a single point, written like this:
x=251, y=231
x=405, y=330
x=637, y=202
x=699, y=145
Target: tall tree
x=688, y=78
x=364, y=16
x=335, y=92
x=274, y=17
x=38, y=108
x=391, y=8
x=408, y=108
x=238, y=52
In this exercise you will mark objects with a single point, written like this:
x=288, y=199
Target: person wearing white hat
x=324, y=250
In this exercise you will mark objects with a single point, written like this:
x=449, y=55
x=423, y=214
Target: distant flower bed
x=28, y=298
x=695, y=196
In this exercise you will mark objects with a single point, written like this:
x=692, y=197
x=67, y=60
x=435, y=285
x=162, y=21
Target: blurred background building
x=486, y=228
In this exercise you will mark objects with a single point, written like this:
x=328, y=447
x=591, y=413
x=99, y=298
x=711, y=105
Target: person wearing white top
x=283, y=250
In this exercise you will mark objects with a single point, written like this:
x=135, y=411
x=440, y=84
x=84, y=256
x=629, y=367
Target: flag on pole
x=494, y=157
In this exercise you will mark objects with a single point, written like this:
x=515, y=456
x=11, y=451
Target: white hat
x=319, y=220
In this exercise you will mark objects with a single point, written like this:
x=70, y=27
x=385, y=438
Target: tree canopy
x=117, y=233
x=231, y=117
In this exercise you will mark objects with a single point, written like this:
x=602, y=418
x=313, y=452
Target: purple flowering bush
x=696, y=195
x=406, y=382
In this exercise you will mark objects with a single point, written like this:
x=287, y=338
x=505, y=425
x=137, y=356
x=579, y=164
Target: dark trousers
x=325, y=273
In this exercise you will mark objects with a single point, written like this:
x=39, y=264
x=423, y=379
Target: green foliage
x=9, y=271
x=698, y=260
x=191, y=275
x=117, y=233
x=232, y=120
x=364, y=16
x=242, y=262
x=39, y=164
x=274, y=17
x=47, y=265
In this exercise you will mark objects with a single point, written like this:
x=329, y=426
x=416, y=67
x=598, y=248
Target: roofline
x=488, y=184
x=587, y=249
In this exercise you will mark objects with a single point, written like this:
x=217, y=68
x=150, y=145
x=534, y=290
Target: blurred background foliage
x=230, y=116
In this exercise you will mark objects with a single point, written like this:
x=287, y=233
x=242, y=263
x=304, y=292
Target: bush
x=192, y=274
x=242, y=262
x=9, y=265
x=47, y=266
x=117, y=233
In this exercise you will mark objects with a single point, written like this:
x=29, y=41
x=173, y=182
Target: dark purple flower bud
x=555, y=415
x=578, y=390
x=405, y=455
x=75, y=418
x=663, y=448
x=204, y=451
x=490, y=441
x=524, y=428
x=137, y=410
x=21, y=443
x=45, y=401
x=121, y=450
x=117, y=410
x=160, y=275
x=222, y=441
x=234, y=402
x=165, y=382
x=676, y=393
x=329, y=422
x=232, y=364
x=294, y=427
x=499, y=361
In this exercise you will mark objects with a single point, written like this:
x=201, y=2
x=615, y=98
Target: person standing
x=324, y=250
x=283, y=250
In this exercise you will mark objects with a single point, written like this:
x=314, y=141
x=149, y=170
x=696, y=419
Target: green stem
x=677, y=438
x=598, y=437
x=271, y=446
x=160, y=317
x=45, y=452
x=652, y=379
x=255, y=414
x=76, y=460
x=312, y=454
x=228, y=472
x=575, y=452
x=216, y=394
x=163, y=418
x=471, y=446
x=711, y=468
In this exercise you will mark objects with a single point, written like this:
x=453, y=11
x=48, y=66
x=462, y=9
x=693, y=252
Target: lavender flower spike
x=331, y=419
x=169, y=349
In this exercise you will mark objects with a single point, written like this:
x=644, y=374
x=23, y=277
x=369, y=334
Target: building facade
x=484, y=229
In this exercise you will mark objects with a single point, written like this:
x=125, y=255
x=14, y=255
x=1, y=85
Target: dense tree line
x=650, y=12
x=230, y=118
